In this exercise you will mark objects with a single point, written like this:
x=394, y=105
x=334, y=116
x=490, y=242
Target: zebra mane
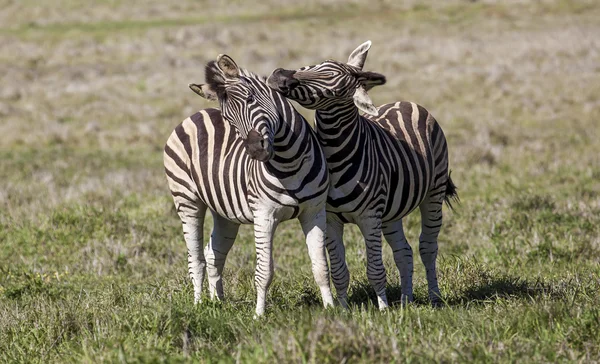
x=215, y=78
x=218, y=82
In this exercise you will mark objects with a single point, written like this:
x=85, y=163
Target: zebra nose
x=257, y=147
x=254, y=137
x=282, y=80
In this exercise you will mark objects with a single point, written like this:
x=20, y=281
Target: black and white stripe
x=382, y=167
x=256, y=162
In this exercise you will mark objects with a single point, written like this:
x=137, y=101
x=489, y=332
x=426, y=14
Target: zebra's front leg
x=221, y=240
x=371, y=230
x=314, y=225
x=192, y=220
x=337, y=258
x=403, y=257
x=264, y=229
x=431, y=223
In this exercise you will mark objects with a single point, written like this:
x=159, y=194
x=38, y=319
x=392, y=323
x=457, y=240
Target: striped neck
x=292, y=135
x=337, y=121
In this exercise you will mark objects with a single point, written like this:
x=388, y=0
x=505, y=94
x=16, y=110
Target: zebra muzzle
x=258, y=147
x=283, y=80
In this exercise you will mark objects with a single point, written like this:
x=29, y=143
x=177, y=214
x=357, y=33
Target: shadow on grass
x=485, y=287
x=506, y=288
x=361, y=293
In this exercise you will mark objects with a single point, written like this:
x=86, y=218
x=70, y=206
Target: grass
x=92, y=258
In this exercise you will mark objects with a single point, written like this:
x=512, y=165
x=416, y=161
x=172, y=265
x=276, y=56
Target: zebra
x=255, y=162
x=382, y=167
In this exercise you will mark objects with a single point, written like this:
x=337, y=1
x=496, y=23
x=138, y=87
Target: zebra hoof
x=343, y=303
x=406, y=299
x=437, y=303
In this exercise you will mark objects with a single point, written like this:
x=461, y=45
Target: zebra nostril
x=265, y=144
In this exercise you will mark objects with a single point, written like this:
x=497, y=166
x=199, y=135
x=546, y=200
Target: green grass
x=92, y=257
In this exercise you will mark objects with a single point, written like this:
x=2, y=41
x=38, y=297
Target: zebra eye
x=250, y=98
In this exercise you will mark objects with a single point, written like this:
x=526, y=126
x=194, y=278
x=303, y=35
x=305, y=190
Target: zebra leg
x=221, y=240
x=337, y=258
x=431, y=223
x=192, y=219
x=403, y=257
x=314, y=226
x=264, y=229
x=371, y=230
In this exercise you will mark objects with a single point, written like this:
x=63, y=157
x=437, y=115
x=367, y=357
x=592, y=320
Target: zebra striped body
x=206, y=160
x=395, y=166
x=214, y=163
x=382, y=167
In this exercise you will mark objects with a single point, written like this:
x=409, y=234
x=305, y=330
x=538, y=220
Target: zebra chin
x=262, y=155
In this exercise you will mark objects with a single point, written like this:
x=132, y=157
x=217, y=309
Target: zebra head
x=330, y=82
x=246, y=103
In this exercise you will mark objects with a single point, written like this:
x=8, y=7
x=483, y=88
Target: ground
x=92, y=257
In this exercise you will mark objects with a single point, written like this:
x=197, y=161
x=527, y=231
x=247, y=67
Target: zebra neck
x=291, y=140
x=337, y=116
x=337, y=123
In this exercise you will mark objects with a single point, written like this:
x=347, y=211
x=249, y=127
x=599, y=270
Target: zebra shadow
x=360, y=293
x=503, y=288
x=490, y=289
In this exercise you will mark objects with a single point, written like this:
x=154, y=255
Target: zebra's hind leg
x=337, y=258
x=264, y=229
x=431, y=223
x=403, y=257
x=221, y=240
x=371, y=230
x=192, y=219
x=314, y=225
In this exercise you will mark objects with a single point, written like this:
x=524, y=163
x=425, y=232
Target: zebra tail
x=451, y=194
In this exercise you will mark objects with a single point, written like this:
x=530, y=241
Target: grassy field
x=92, y=258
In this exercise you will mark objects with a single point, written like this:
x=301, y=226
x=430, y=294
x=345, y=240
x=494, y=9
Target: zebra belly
x=223, y=191
x=390, y=199
x=403, y=200
x=241, y=215
x=247, y=214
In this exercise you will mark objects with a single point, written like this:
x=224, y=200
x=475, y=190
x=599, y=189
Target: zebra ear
x=228, y=66
x=359, y=55
x=204, y=91
x=363, y=101
x=370, y=79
